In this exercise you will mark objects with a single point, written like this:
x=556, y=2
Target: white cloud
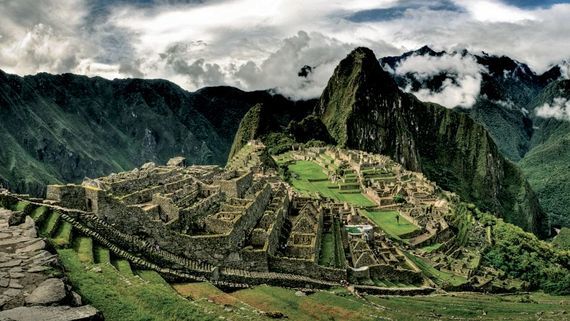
x=565, y=69
x=495, y=11
x=256, y=44
x=461, y=88
x=558, y=109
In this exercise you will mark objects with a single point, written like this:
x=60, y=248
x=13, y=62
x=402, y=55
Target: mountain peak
x=356, y=80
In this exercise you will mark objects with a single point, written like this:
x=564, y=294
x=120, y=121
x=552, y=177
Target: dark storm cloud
x=399, y=9
x=530, y=4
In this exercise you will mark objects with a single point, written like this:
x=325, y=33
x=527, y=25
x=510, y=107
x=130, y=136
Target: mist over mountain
x=517, y=106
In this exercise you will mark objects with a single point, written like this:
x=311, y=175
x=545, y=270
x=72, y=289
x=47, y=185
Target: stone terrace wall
x=71, y=196
x=236, y=187
x=307, y=268
x=389, y=272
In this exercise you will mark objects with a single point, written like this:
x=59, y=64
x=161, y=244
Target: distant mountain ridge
x=510, y=95
x=62, y=128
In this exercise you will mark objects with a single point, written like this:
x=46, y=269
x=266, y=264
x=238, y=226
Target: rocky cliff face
x=62, y=128
x=363, y=109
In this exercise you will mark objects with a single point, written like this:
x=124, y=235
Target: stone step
x=51, y=224
x=63, y=235
x=84, y=249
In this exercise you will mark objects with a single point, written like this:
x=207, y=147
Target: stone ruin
x=242, y=225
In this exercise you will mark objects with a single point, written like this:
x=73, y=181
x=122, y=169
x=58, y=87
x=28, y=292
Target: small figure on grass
x=398, y=219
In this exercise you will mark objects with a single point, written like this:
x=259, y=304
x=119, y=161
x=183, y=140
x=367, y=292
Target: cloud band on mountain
x=461, y=86
x=558, y=109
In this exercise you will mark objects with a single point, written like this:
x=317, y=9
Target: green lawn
x=303, y=171
x=327, y=250
x=431, y=248
x=332, y=252
x=63, y=235
x=386, y=220
x=339, y=305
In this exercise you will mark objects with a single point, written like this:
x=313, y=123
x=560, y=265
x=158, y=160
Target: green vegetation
x=248, y=129
x=439, y=277
x=431, y=248
x=547, y=164
x=50, y=224
x=387, y=221
x=519, y=254
x=327, y=257
x=522, y=255
x=318, y=306
x=338, y=304
x=84, y=248
x=39, y=214
x=21, y=205
x=562, y=240
x=308, y=177
x=398, y=198
x=62, y=237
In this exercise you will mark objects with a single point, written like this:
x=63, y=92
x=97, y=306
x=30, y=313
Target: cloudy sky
x=260, y=44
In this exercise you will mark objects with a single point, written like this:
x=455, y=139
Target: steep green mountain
x=547, y=165
x=363, y=108
x=506, y=106
x=279, y=125
x=62, y=128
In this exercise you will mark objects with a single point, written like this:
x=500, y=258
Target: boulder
x=16, y=218
x=148, y=165
x=48, y=292
x=177, y=161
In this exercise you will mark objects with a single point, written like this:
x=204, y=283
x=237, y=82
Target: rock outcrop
x=27, y=292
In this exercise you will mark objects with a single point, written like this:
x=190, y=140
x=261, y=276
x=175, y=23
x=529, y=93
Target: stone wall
x=236, y=187
x=71, y=196
x=199, y=209
x=392, y=273
x=305, y=267
x=168, y=210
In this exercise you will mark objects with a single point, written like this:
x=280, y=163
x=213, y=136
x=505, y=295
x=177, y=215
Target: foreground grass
x=474, y=306
x=318, y=306
x=127, y=298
